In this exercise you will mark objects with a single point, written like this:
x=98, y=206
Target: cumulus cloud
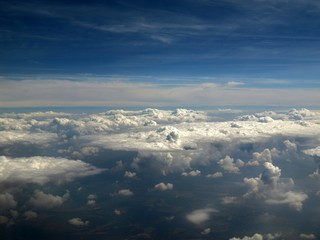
x=260, y=157
x=230, y=166
x=206, y=231
x=313, y=151
x=200, y=216
x=91, y=199
x=192, y=173
x=43, y=200
x=78, y=222
x=307, y=236
x=41, y=170
x=273, y=190
x=125, y=192
x=7, y=201
x=129, y=174
x=229, y=200
x=256, y=236
x=163, y=186
x=117, y=212
x=215, y=175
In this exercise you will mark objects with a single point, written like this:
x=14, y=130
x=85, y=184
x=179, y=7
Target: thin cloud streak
x=92, y=93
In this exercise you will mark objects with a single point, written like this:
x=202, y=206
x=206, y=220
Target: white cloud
x=307, y=236
x=293, y=199
x=256, y=236
x=78, y=222
x=91, y=199
x=229, y=200
x=234, y=84
x=163, y=186
x=52, y=92
x=215, y=175
x=230, y=166
x=192, y=173
x=206, y=231
x=257, y=158
x=313, y=151
x=125, y=192
x=7, y=201
x=43, y=200
x=129, y=174
x=200, y=216
x=117, y=212
x=291, y=146
x=273, y=189
x=41, y=170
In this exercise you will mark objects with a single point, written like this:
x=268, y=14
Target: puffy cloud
x=293, y=199
x=290, y=146
x=229, y=165
x=229, y=200
x=129, y=174
x=257, y=158
x=256, y=236
x=43, y=200
x=200, y=216
x=215, y=175
x=125, y=192
x=206, y=231
x=78, y=222
x=41, y=170
x=313, y=151
x=164, y=186
x=91, y=199
x=7, y=201
x=117, y=212
x=274, y=190
x=30, y=215
x=192, y=173
x=307, y=236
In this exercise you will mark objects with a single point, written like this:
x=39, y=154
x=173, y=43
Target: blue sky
x=262, y=44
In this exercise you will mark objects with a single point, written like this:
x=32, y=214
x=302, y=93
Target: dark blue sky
x=225, y=38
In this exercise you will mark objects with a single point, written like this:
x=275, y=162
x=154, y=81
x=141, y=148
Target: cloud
x=91, y=199
x=43, y=200
x=256, y=236
x=274, y=190
x=313, y=151
x=206, y=231
x=234, y=84
x=215, y=175
x=30, y=215
x=229, y=200
x=78, y=222
x=192, y=173
x=163, y=186
x=53, y=92
x=41, y=170
x=200, y=216
x=307, y=236
x=230, y=166
x=3, y=219
x=129, y=174
x=7, y=201
x=117, y=212
x=125, y=192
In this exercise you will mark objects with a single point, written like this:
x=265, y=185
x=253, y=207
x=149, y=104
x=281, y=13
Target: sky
x=192, y=53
